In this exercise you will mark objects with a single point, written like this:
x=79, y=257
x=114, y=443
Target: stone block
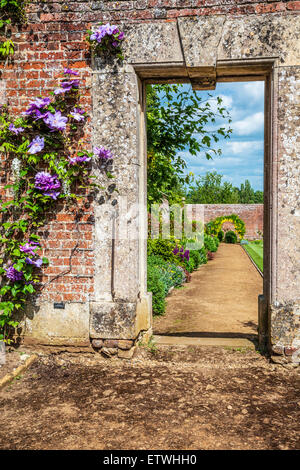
x=126, y=354
x=58, y=326
x=256, y=36
x=112, y=320
x=125, y=344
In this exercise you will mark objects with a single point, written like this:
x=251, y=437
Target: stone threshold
x=196, y=341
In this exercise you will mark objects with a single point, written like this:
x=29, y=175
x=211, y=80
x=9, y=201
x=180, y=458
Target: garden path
x=220, y=301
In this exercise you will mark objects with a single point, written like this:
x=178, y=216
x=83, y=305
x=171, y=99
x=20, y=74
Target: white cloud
x=254, y=90
x=237, y=148
x=249, y=125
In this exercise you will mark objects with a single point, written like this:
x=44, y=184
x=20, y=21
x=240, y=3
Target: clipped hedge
x=230, y=237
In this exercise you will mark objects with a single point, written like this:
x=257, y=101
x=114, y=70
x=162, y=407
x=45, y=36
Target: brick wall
x=251, y=214
x=53, y=38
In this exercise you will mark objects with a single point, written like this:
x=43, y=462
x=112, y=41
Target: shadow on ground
x=172, y=398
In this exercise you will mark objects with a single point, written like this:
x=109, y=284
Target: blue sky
x=242, y=154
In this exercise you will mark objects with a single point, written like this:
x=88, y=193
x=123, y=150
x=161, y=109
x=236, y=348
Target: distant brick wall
x=251, y=214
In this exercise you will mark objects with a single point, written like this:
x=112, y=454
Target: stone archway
x=201, y=51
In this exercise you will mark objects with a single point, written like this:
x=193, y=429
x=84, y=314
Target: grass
x=256, y=252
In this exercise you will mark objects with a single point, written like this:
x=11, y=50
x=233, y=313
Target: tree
x=247, y=195
x=178, y=119
x=209, y=189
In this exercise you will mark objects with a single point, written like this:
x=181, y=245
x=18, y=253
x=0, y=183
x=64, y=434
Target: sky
x=242, y=154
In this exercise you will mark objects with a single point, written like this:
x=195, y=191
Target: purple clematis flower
x=70, y=72
x=103, y=153
x=13, y=274
x=34, y=106
x=70, y=84
x=38, y=115
x=38, y=263
x=28, y=248
x=59, y=91
x=36, y=145
x=48, y=184
x=56, y=121
x=66, y=87
x=15, y=130
x=106, y=30
x=78, y=159
x=77, y=114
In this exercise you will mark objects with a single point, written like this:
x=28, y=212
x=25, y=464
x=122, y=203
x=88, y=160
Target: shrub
x=162, y=275
x=156, y=285
x=163, y=248
x=196, y=257
x=230, y=237
x=221, y=235
x=203, y=255
x=216, y=240
x=210, y=243
x=189, y=265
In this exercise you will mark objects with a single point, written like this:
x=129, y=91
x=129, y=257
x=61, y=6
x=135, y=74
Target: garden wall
x=251, y=214
x=102, y=284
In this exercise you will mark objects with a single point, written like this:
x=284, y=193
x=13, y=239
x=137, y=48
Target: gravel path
x=221, y=300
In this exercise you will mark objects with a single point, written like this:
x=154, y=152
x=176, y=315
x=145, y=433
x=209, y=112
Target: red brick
x=295, y=6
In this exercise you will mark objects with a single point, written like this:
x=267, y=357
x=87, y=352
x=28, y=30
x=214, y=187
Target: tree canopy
x=179, y=119
x=210, y=189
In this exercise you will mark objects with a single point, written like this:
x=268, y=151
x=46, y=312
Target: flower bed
x=170, y=264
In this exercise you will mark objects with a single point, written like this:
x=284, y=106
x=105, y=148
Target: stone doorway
x=203, y=51
x=234, y=324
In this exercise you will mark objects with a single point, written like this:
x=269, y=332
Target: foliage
x=163, y=248
x=247, y=195
x=213, y=227
x=203, y=255
x=171, y=275
x=196, y=258
x=178, y=119
x=209, y=189
x=221, y=235
x=210, y=243
x=43, y=167
x=230, y=237
x=156, y=285
x=11, y=11
x=162, y=275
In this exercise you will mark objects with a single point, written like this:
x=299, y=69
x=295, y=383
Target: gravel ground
x=170, y=398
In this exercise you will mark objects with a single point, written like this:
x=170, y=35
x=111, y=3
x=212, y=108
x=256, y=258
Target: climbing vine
x=106, y=38
x=11, y=11
x=214, y=227
x=43, y=155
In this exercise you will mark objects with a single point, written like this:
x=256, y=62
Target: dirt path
x=220, y=301
x=188, y=398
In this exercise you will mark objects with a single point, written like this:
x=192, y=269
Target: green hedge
x=230, y=237
x=162, y=275
x=166, y=269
